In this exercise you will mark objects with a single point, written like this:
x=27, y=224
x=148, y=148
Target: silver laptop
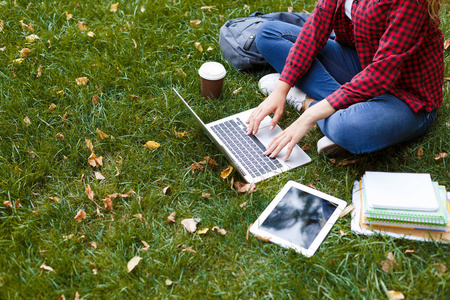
x=246, y=152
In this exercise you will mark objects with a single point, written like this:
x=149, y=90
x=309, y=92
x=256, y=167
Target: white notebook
x=407, y=191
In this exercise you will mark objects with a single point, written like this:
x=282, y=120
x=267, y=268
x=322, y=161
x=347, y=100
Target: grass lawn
x=131, y=59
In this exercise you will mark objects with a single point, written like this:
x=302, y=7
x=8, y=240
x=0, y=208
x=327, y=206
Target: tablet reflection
x=298, y=217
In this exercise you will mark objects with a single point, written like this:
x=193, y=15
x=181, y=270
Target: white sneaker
x=295, y=97
x=327, y=146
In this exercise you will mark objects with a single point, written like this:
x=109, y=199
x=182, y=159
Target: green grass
x=138, y=53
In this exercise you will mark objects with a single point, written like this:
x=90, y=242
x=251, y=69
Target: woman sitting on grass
x=378, y=83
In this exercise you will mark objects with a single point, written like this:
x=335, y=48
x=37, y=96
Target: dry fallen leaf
x=203, y=231
x=94, y=100
x=168, y=282
x=114, y=7
x=208, y=160
x=244, y=187
x=196, y=166
x=108, y=203
x=99, y=176
x=166, y=190
x=93, y=244
x=90, y=34
x=52, y=107
x=146, y=246
x=93, y=160
x=2, y=25
x=68, y=16
x=142, y=9
x=219, y=230
x=446, y=44
x=194, y=23
x=420, y=152
x=133, y=263
x=342, y=233
x=208, y=8
x=394, y=295
x=389, y=263
x=188, y=249
x=347, y=210
x=190, y=225
x=198, y=46
x=349, y=162
x=235, y=92
x=24, y=52
x=225, y=173
x=152, y=145
x=441, y=269
x=32, y=38
x=290, y=9
x=47, y=268
x=264, y=239
x=409, y=251
x=171, y=217
x=90, y=193
x=39, y=72
x=180, y=134
x=77, y=296
x=81, y=81
x=80, y=215
x=139, y=216
x=82, y=26
x=60, y=136
x=89, y=145
x=8, y=203
x=27, y=121
x=206, y=195
x=440, y=156
x=55, y=199
x=101, y=134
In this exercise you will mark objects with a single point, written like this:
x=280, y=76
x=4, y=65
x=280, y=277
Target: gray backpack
x=237, y=36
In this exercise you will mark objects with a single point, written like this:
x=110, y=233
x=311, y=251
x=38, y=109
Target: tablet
x=299, y=217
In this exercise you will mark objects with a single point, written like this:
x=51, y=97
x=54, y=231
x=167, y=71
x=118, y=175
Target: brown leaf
x=208, y=160
x=440, y=156
x=306, y=147
x=101, y=134
x=80, y=215
x=194, y=23
x=89, y=145
x=134, y=97
x=389, y=263
x=225, y=173
x=81, y=81
x=93, y=160
x=94, y=100
x=47, y=268
x=27, y=121
x=55, y=199
x=188, y=249
x=420, y=152
x=190, y=225
x=90, y=193
x=108, y=203
x=447, y=79
x=446, y=44
x=133, y=263
x=171, y=217
x=68, y=16
x=52, y=107
x=394, y=295
x=349, y=162
x=82, y=26
x=8, y=203
x=59, y=135
x=347, y=210
x=206, y=195
x=208, y=8
x=146, y=246
x=31, y=152
x=93, y=244
x=219, y=230
x=99, y=176
x=26, y=27
x=244, y=187
x=235, y=92
x=264, y=239
x=139, y=216
x=180, y=134
x=196, y=166
x=24, y=52
x=409, y=251
x=290, y=9
x=441, y=269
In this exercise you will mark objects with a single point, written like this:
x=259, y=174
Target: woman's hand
x=273, y=104
x=297, y=130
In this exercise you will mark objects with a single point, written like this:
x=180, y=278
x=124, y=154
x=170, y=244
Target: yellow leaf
x=93, y=160
x=203, y=231
x=133, y=263
x=32, y=38
x=199, y=47
x=18, y=61
x=152, y=145
x=114, y=7
x=52, y=107
x=394, y=295
x=101, y=134
x=225, y=173
x=68, y=16
x=81, y=81
x=80, y=215
x=89, y=145
x=139, y=216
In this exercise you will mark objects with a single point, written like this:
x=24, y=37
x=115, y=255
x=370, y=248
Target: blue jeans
x=363, y=127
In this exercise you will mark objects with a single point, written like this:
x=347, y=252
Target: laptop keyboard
x=246, y=148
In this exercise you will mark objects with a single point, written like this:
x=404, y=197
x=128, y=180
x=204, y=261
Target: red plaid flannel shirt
x=399, y=46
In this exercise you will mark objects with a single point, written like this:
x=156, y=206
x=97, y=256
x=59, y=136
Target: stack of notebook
x=404, y=200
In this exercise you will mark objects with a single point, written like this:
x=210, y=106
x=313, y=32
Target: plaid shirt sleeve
x=397, y=45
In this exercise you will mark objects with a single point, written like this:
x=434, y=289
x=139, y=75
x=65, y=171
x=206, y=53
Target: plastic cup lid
x=212, y=71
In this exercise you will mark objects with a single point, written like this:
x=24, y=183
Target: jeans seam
x=334, y=64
